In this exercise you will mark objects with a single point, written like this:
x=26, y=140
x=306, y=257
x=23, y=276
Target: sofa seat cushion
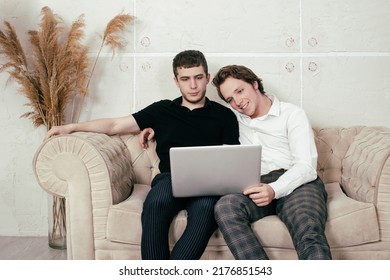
x=124, y=221
x=349, y=222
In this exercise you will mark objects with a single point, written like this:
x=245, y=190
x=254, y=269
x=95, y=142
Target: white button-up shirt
x=287, y=143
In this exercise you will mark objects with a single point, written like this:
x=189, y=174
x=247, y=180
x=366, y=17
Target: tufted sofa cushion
x=144, y=161
x=332, y=145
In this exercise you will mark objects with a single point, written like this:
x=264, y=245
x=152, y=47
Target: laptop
x=214, y=170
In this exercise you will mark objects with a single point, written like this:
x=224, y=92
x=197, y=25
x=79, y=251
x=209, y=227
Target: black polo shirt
x=178, y=126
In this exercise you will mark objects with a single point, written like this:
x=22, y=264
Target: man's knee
x=157, y=202
x=228, y=204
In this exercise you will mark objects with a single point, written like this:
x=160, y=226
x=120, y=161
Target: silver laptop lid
x=214, y=170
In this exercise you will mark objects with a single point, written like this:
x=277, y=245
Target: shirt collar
x=178, y=102
x=273, y=111
x=275, y=107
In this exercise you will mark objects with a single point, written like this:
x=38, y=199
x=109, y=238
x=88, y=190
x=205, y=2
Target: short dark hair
x=237, y=72
x=188, y=59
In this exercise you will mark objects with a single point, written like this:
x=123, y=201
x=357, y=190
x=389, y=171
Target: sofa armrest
x=92, y=171
x=366, y=172
x=364, y=163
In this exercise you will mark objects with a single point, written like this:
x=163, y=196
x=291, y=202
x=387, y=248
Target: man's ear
x=176, y=82
x=255, y=85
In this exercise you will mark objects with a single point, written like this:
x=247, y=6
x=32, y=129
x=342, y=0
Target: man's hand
x=145, y=135
x=57, y=130
x=261, y=194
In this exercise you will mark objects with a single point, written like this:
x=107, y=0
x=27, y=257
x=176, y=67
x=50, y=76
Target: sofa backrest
x=356, y=157
x=332, y=145
x=145, y=161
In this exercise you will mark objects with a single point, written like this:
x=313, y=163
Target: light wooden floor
x=28, y=248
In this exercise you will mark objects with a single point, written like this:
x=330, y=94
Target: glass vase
x=57, y=222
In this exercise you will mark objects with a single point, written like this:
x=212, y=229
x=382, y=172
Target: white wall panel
x=218, y=25
x=154, y=80
x=111, y=88
x=347, y=91
x=346, y=25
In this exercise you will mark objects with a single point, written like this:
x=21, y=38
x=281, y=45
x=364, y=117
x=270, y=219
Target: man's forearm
x=107, y=126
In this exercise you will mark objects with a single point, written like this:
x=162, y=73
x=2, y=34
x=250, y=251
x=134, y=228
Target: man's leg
x=159, y=209
x=234, y=214
x=304, y=212
x=201, y=225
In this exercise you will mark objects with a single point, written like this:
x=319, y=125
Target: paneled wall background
x=332, y=57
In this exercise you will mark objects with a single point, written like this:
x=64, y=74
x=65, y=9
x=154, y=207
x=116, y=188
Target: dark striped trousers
x=304, y=212
x=160, y=207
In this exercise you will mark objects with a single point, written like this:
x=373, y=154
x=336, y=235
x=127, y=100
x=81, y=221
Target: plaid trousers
x=304, y=212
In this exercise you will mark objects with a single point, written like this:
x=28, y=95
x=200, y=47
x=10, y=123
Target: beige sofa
x=96, y=172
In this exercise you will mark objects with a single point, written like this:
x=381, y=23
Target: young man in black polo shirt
x=190, y=120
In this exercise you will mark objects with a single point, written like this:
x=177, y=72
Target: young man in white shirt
x=290, y=186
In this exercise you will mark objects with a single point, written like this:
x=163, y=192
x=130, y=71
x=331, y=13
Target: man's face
x=241, y=96
x=192, y=83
